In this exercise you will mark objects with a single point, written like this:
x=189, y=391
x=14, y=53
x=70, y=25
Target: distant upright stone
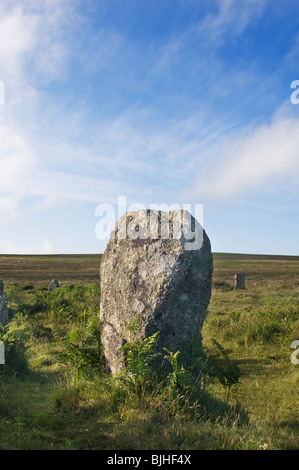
x=239, y=281
x=1, y=287
x=151, y=272
x=53, y=285
x=4, y=320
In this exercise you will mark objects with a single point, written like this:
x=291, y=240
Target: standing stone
x=4, y=320
x=53, y=285
x=1, y=287
x=239, y=281
x=150, y=271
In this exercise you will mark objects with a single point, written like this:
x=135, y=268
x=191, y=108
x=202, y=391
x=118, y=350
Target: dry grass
x=37, y=269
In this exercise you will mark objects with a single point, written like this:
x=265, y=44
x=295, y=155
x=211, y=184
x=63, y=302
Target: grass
x=38, y=269
x=54, y=393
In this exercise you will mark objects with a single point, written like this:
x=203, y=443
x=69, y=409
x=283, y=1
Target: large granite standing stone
x=4, y=320
x=163, y=279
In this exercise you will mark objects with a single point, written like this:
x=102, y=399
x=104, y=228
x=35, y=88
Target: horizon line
x=100, y=254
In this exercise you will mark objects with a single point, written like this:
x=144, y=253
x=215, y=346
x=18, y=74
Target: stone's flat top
x=144, y=227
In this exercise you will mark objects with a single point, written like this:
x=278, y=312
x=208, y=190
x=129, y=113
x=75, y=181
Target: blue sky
x=173, y=101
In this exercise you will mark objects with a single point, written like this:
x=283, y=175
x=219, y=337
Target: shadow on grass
x=29, y=406
x=223, y=286
x=252, y=367
x=293, y=425
x=216, y=410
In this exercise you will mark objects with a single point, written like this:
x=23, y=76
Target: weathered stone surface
x=1, y=287
x=4, y=320
x=159, y=279
x=239, y=281
x=53, y=285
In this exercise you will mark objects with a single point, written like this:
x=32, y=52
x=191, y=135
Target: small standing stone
x=1, y=287
x=239, y=281
x=4, y=320
x=53, y=285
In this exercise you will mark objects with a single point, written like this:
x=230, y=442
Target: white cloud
x=33, y=48
x=232, y=18
x=17, y=38
x=267, y=154
x=46, y=248
x=16, y=159
x=33, y=43
x=8, y=208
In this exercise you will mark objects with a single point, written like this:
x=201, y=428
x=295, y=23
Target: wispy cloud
x=33, y=42
x=32, y=52
x=46, y=248
x=231, y=18
x=16, y=157
x=252, y=160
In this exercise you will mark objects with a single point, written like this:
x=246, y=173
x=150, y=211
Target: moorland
x=240, y=391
